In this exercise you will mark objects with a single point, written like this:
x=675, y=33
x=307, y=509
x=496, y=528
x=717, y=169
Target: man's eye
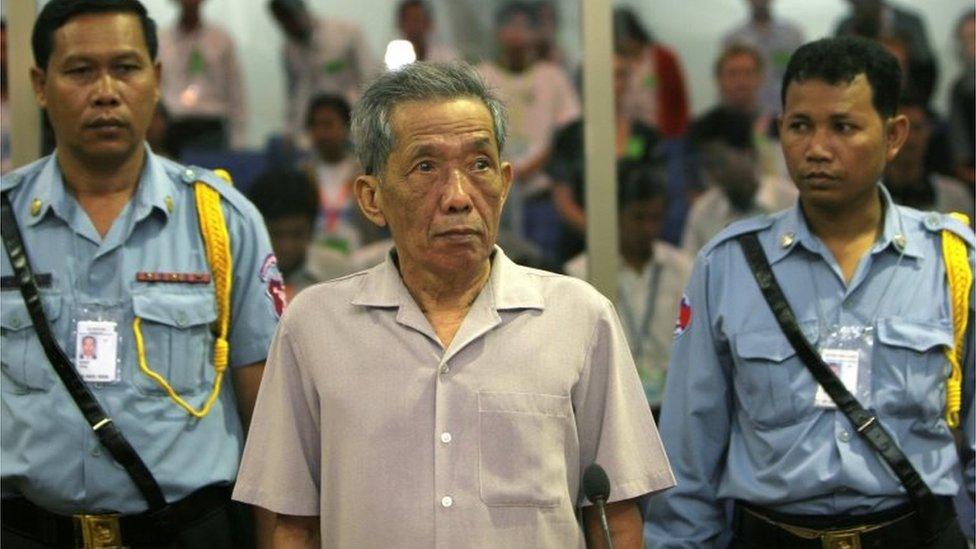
x=798, y=126
x=482, y=164
x=127, y=68
x=78, y=71
x=425, y=166
x=844, y=127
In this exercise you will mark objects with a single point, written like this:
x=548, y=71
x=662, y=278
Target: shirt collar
x=509, y=284
x=155, y=190
x=791, y=230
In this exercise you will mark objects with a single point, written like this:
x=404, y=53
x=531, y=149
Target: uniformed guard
x=827, y=424
x=139, y=299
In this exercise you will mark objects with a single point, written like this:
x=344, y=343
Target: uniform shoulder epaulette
x=736, y=228
x=192, y=174
x=938, y=222
x=16, y=177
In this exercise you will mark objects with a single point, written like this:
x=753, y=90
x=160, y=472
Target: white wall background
x=692, y=27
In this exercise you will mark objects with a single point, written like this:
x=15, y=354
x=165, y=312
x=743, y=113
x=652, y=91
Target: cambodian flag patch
x=275, y=285
x=684, y=316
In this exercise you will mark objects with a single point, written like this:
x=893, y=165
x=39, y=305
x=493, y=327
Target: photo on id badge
x=96, y=344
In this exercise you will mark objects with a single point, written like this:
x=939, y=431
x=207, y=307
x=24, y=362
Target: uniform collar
x=155, y=190
x=508, y=284
x=791, y=230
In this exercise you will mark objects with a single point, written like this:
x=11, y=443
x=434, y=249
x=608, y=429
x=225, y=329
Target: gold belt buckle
x=841, y=539
x=98, y=531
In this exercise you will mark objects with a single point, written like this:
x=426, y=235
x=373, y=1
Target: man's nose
x=818, y=148
x=457, y=196
x=106, y=93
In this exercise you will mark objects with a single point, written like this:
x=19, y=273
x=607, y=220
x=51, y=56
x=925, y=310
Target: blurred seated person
x=201, y=83
x=635, y=141
x=339, y=225
x=321, y=55
x=913, y=184
x=962, y=100
x=287, y=202
x=656, y=92
x=732, y=171
x=739, y=76
x=547, y=47
x=652, y=275
x=415, y=21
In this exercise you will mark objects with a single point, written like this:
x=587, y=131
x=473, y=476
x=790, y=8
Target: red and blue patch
x=684, y=316
x=274, y=284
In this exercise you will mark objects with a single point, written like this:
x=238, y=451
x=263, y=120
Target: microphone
x=596, y=487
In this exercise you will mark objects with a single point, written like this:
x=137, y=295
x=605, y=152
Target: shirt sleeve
x=616, y=429
x=280, y=469
x=257, y=297
x=969, y=396
x=695, y=422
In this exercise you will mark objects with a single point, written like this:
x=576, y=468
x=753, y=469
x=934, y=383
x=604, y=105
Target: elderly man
x=762, y=408
x=447, y=391
x=113, y=234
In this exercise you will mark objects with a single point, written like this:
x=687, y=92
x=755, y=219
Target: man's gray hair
x=372, y=130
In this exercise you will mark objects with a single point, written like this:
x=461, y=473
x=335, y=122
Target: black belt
x=759, y=527
x=27, y=519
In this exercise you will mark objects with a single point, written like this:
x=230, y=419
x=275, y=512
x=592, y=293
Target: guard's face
x=100, y=86
x=835, y=142
x=443, y=187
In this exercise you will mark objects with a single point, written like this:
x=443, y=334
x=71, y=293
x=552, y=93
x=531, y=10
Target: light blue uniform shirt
x=48, y=453
x=739, y=420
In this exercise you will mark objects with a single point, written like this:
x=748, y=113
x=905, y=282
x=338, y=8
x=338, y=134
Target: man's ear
x=38, y=77
x=896, y=132
x=158, y=72
x=368, y=194
x=507, y=175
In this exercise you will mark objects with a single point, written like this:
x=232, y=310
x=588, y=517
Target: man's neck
x=445, y=298
x=761, y=17
x=189, y=21
x=332, y=157
x=638, y=259
x=515, y=62
x=849, y=232
x=102, y=189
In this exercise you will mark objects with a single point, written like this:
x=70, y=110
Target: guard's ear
x=38, y=78
x=896, y=132
x=370, y=198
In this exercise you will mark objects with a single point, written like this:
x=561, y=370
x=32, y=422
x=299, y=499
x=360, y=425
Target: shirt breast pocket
x=522, y=448
x=772, y=385
x=177, y=340
x=911, y=367
x=25, y=366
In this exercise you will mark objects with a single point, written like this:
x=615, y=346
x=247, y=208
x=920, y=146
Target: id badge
x=97, y=342
x=847, y=351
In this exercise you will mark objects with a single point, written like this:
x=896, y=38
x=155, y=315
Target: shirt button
x=447, y=501
x=15, y=322
x=96, y=452
x=446, y=437
x=844, y=436
x=445, y=369
x=181, y=319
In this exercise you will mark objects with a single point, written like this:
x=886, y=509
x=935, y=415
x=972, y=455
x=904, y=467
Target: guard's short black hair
x=516, y=7
x=284, y=193
x=328, y=100
x=638, y=181
x=58, y=12
x=841, y=60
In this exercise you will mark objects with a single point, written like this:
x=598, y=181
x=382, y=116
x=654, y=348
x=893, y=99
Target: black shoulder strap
x=866, y=423
x=109, y=435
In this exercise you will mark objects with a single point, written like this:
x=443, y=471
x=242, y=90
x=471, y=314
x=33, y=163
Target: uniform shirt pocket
x=772, y=385
x=177, y=338
x=522, y=448
x=25, y=366
x=910, y=367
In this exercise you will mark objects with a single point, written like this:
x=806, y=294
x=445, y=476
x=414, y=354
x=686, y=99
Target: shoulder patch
x=937, y=222
x=737, y=228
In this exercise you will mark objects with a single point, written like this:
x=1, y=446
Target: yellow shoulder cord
x=216, y=240
x=960, y=279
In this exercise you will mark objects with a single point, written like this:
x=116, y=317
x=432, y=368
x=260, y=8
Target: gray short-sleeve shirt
x=365, y=420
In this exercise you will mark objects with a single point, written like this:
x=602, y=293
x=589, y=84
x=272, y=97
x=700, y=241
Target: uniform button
x=96, y=452
x=15, y=322
x=933, y=221
x=181, y=319
x=189, y=175
x=447, y=501
x=445, y=369
x=446, y=437
x=844, y=436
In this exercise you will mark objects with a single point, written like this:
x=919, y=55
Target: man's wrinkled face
x=443, y=187
x=835, y=143
x=100, y=86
